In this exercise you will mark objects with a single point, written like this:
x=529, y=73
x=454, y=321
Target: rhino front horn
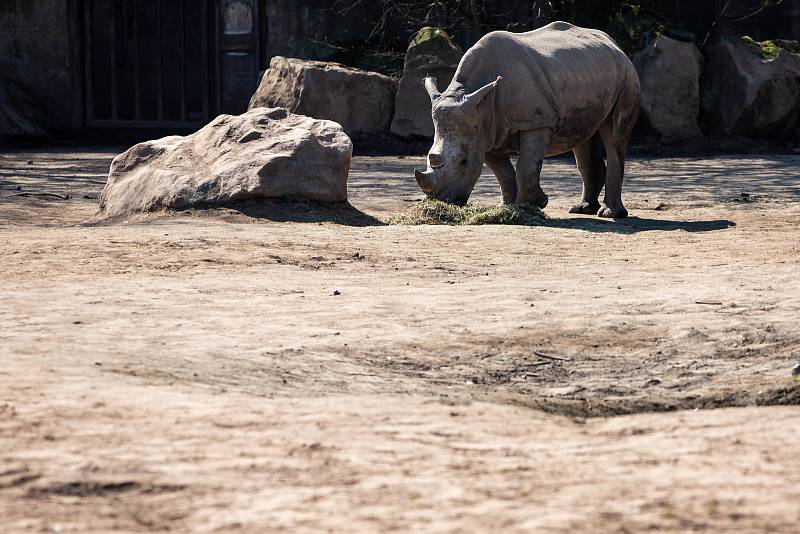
x=425, y=180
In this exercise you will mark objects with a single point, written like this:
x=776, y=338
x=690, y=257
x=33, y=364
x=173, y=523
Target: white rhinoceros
x=536, y=94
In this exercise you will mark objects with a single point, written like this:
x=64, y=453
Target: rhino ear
x=430, y=86
x=471, y=101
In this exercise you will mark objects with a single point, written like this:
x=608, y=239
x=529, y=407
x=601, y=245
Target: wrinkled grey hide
x=536, y=94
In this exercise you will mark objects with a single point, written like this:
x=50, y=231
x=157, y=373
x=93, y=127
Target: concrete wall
x=40, y=53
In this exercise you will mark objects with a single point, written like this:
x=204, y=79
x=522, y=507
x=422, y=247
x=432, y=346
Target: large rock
x=749, y=93
x=264, y=153
x=362, y=102
x=669, y=72
x=431, y=53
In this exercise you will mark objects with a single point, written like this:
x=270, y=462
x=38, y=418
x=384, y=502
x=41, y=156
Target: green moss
x=771, y=49
x=427, y=33
x=436, y=212
x=768, y=49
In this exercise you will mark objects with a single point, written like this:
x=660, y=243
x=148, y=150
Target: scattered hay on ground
x=436, y=212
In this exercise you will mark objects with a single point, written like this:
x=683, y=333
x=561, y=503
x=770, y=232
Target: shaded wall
x=315, y=29
x=40, y=54
x=777, y=22
x=358, y=33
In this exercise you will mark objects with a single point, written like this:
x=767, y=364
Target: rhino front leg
x=506, y=175
x=532, y=148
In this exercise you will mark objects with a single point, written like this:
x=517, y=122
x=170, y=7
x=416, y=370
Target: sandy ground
x=259, y=369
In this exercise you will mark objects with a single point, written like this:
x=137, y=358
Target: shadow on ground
x=345, y=214
x=633, y=225
x=278, y=210
x=348, y=215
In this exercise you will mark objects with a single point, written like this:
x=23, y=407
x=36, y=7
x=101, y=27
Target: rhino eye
x=463, y=162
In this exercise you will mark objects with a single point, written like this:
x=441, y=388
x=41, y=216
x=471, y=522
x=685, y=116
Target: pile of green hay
x=436, y=212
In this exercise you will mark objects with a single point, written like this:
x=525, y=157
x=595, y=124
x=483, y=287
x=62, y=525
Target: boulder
x=362, y=102
x=750, y=92
x=669, y=72
x=264, y=153
x=431, y=53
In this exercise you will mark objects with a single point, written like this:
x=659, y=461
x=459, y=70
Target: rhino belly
x=578, y=125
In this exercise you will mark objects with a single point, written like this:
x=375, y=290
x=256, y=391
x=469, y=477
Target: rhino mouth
x=428, y=182
x=455, y=200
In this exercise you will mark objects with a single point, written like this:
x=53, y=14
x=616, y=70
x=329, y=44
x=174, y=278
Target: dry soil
x=287, y=367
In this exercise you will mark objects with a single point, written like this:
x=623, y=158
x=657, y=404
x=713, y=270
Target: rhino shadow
x=633, y=225
x=303, y=211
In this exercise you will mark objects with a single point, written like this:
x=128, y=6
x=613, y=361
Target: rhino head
x=456, y=157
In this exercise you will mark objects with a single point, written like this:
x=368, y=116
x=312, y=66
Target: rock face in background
x=362, y=102
x=41, y=58
x=669, y=72
x=20, y=116
x=431, y=53
x=264, y=153
x=746, y=93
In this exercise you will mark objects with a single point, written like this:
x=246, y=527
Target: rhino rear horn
x=430, y=86
x=471, y=101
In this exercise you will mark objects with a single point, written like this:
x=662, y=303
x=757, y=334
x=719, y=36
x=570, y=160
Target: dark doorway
x=238, y=34
x=169, y=64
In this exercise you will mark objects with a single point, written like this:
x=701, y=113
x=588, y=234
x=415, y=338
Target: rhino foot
x=540, y=201
x=612, y=213
x=586, y=208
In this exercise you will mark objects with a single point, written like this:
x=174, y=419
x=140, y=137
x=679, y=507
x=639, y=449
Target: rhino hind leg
x=591, y=164
x=616, y=132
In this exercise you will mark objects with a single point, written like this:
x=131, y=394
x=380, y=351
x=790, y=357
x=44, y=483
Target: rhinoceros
x=535, y=94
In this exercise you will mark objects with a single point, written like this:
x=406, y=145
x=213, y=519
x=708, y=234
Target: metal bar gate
x=147, y=63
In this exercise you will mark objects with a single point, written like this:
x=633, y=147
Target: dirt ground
x=290, y=368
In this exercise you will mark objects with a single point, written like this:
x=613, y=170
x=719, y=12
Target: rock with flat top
x=361, y=101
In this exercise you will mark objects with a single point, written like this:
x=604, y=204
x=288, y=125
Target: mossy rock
x=441, y=213
x=429, y=33
x=770, y=49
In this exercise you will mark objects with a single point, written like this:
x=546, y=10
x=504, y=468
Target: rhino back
x=560, y=76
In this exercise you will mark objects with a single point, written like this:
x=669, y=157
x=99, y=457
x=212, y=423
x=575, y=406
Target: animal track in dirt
x=88, y=488
x=584, y=373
